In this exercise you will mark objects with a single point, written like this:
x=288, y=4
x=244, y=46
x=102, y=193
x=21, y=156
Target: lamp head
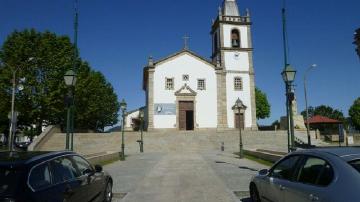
x=70, y=78
x=141, y=114
x=288, y=74
x=123, y=105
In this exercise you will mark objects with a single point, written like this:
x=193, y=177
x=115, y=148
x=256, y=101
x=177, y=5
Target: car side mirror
x=98, y=168
x=88, y=172
x=264, y=172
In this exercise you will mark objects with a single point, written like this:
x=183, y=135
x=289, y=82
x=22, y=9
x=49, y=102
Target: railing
x=236, y=19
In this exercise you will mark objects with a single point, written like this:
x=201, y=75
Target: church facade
x=185, y=91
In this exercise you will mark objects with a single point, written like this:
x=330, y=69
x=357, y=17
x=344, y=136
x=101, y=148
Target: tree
x=326, y=111
x=43, y=58
x=354, y=113
x=97, y=107
x=4, y=105
x=262, y=105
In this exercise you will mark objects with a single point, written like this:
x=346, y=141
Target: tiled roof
x=321, y=119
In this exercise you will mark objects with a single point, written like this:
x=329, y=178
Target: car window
x=355, y=164
x=63, y=170
x=82, y=164
x=9, y=179
x=39, y=177
x=315, y=171
x=285, y=169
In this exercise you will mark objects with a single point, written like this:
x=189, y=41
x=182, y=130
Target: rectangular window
x=201, y=85
x=238, y=85
x=169, y=84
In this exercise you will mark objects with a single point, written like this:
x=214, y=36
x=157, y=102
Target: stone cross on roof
x=186, y=42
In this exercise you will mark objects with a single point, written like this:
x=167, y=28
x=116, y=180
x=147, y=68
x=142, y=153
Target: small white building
x=132, y=120
x=188, y=92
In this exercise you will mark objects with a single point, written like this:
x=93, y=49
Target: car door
x=94, y=181
x=273, y=189
x=40, y=183
x=67, y=186
x=312, y=179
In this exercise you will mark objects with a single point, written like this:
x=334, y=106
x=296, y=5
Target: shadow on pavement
x=245, y=200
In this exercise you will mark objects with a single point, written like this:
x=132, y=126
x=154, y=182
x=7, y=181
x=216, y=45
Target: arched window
x=235, y=38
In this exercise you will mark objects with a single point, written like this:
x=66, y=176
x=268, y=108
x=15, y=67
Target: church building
x=185, y=91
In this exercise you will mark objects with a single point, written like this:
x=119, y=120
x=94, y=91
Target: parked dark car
x=324, y=174
x=51, y=176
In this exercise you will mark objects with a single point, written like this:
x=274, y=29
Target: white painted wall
x=232, y=96
x=243, y=35
x=206, y=101
x=239, y=63
x=129, y=117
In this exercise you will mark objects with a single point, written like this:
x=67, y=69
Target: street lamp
x=288, y=75
x=306, y=104
x=70, y=81
x=357, y=41
x=13, y=113
x=240, y=107
x=123, y=106
x=141, y=115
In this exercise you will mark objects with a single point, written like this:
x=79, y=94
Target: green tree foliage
x=354, y=113
x=262, y=105
x=43, y=58
x=326, y=111
x=4, y=107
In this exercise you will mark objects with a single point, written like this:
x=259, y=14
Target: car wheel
x=254, y=194
x=108, y=192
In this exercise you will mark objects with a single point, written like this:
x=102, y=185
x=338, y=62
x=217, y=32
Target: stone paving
x=210, y=176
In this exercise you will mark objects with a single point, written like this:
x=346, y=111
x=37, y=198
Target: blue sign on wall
x=165, y=109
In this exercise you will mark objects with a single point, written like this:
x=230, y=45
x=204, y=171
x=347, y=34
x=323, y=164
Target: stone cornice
x=191, y=91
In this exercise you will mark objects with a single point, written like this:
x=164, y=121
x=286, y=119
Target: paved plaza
x=211, y=176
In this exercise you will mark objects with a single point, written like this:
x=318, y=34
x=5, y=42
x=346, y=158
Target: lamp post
x=357, y=41
x=288, y=75
x=306, y=104
x=141, y=115
x=70, y=81
x=13, y=115
x=123, y=106
x=240, y=107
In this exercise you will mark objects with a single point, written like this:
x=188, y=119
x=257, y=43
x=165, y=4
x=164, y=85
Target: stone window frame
x=238, y=85
x=169, y=86
x=185, y=77
x=198, y=82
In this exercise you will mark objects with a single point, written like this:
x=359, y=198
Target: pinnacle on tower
x=230, y=8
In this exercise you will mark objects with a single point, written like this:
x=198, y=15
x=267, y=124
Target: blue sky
x=116, y=38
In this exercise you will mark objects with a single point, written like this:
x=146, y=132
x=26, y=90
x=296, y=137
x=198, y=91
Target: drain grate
x=119, y=195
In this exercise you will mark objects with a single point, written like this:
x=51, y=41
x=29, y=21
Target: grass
x=104, y=163
x=256, y=159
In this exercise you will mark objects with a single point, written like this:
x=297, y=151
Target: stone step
x=177, y=141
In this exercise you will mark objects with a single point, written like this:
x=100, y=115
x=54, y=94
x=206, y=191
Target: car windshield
x=9, y=179
x=356, y=164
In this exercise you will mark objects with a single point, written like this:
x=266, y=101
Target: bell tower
x=230, y=31
x=232, y=53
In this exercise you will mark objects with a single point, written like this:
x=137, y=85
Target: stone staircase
x=193, y=141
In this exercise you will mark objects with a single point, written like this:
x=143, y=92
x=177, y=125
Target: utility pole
x=357, y=41
x=72, y=107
